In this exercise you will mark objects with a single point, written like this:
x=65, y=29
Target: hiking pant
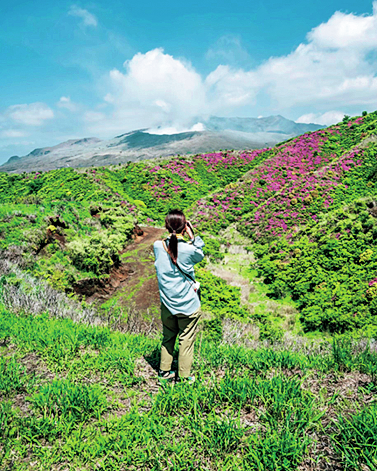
x=185, y=327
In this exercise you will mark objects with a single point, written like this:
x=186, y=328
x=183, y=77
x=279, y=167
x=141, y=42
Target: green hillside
x=71, y=226
x=286, y=358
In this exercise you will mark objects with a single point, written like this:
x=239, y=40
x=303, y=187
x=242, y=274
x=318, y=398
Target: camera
x=189, y=225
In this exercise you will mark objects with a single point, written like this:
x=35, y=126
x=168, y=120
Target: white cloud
x=33, y=114
x=230, y=88
x=174, y=130
x=88, y=19
x=328, y=118
x=65, y=102
x=155, y=89
x=346, y=30
x=159, y=81
x=198, y=127
x=108, y=98
x=334, y=68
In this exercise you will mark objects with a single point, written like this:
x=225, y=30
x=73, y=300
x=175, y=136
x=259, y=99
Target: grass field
x=75, y=396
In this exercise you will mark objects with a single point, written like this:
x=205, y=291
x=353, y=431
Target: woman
x=180, y=303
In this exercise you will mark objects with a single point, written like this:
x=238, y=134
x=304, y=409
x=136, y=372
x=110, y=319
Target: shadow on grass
x=154, y=358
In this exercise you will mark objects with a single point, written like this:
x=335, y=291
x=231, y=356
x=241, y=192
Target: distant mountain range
x=219, y=133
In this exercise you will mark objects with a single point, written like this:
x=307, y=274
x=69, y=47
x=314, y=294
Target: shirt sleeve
x=197, y=255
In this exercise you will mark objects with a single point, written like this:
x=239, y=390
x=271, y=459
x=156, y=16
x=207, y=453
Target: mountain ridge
x=225, y=133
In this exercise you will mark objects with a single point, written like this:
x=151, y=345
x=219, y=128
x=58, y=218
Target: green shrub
x=268, y=331
x=212, y=249
x=213, y=329
x=329, y=270
x=97, y=253
x=100, y=251
x=219, y=297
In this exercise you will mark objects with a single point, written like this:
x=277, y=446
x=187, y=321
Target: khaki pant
x=185, y=327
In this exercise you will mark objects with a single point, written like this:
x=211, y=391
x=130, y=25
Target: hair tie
x=174, y=232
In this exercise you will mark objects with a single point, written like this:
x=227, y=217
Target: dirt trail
x=233, y=269
x=134, y=281
x=141, y=288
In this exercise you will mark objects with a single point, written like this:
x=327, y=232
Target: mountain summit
x=218, y=133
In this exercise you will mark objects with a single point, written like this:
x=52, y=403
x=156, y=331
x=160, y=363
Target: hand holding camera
x=189, y=230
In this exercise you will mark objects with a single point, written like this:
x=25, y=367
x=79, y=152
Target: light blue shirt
x=176, y=291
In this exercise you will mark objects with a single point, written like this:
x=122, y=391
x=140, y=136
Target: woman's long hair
x=175, y=223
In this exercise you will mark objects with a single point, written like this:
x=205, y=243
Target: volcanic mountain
x=218, y=133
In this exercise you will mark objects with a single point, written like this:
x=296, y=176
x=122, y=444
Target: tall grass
x=355, y=439
x=13, y=377
x=73, y=402
x=91, y=407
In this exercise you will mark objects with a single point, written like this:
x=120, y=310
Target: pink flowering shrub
x=301, y=179
x=181, y=181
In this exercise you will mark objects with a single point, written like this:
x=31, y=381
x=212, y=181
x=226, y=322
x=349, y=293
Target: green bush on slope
x=219, y=297
x=100, y=251
x=84, y=246
x=330, y=270
x=97, y=253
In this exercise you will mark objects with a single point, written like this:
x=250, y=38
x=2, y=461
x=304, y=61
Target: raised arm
x=197, y=245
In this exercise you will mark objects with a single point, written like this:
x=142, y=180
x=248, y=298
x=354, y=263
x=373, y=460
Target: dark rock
x=138, y=231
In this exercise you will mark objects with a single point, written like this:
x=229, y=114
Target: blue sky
x=102, y=68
